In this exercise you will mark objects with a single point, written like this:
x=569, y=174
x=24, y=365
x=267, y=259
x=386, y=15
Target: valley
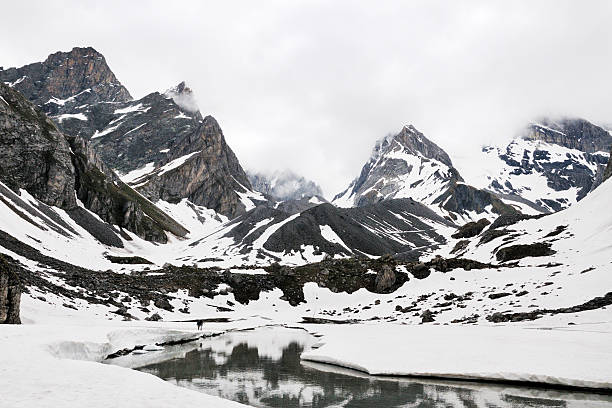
x=124, y=222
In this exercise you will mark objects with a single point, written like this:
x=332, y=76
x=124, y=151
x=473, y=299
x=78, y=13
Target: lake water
x=262, y=368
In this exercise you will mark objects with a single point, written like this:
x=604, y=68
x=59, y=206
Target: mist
x=310, y=86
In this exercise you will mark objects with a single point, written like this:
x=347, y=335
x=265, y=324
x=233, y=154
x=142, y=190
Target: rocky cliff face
x=58, y=170
x=165, y=149
x=284, y=185
x=202, y=168
x=10, y=294
x=67, y=79
x=34, y=155
x=553, y=164
x=159, y=144
x=408, y=165
x=573, y=133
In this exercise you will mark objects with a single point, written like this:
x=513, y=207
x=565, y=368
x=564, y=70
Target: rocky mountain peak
x=80, y=76
x=409, y=165
x=183, y=96
x=411, y=141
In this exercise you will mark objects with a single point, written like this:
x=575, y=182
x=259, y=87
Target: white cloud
x=311, y=85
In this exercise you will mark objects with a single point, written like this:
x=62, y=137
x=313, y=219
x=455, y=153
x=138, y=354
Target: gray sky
x=311, y=85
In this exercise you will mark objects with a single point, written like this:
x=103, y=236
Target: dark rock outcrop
x=471, y=229
x=10, y=294
x=427, y=316
x=58, y=170
x=598, y=302
x=513, y=252
x=460, y=198
x=385, y=279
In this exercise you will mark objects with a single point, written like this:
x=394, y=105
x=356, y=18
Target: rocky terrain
x=140, y=208
x=160, y=144
x=552, y=164
x=63, y=171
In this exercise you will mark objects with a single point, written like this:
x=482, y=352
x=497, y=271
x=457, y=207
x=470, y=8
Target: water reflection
x=262, y=368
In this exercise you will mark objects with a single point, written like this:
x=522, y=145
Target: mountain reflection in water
x=262, y=368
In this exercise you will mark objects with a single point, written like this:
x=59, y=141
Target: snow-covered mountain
x=159, y=144
x=552, y=164
x=44, y=170
x=284, y=185
x=179, y=161
x=408, y=165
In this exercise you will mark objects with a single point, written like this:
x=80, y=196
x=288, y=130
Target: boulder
x=471, y=229
x=522, y=251
x=427, y=316
x=385, y=279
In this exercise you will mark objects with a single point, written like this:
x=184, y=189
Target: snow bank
x=558, y=357
x=39, y=366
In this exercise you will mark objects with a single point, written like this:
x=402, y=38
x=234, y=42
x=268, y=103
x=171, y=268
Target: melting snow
x=65, y=116
x=136, y=128
x=138, y=173
x=133, y=108
x=330, y=235
x=176, y=163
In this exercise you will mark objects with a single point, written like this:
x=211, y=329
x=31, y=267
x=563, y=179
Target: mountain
x=553, y=164
x=64, y=172
x=160, y=144
x=65, y=80
x=401, y=227
x=284, y=185
x=410, y=165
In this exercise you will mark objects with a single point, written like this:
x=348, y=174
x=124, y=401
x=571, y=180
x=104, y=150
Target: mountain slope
x=553, y=164
x=410, y=165
x=401, y=227
x=160, y=143
x=64, y=172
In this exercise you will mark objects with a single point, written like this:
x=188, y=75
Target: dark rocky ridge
x=360, y=229
x=56, y=169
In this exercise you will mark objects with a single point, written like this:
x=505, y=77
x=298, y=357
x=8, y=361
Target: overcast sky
x=311, y=85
